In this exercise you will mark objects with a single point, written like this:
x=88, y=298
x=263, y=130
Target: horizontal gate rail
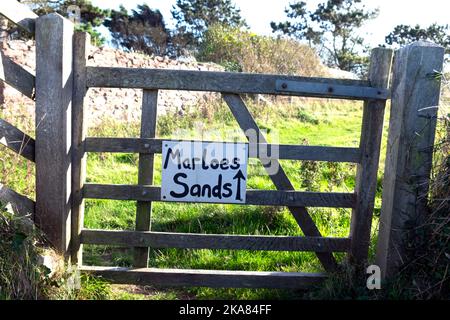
x=284, y=152
x=20, y=204
x=231, y=82
x=214, y=241
x=18, y=14
x=253, y=197
x=16, y=140
x=206, y=278
x=17, y=77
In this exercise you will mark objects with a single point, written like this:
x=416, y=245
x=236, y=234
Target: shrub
x=21, y=277
x=239, y=50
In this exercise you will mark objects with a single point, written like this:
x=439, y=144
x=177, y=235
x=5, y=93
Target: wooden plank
x=20, y=204
x=229, y=82
x=19, y=14
x=145, y=175
x=337, y=90
x=277, y=174
x=214, y=241
x=54, y=87
x=17, y=77
x=81, y=45
x=16, y=140
x=370, y=144
x=206, y=278
x=271, y=151
x=409, y=157
x=253, y=197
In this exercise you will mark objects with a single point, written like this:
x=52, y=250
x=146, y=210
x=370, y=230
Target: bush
x=21, y=276
x=239, y=50
x=25, y=276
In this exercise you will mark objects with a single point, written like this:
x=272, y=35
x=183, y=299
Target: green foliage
x=194, y=17
x=305, y=116
x=91, y=16
x=404, y=34
x=93, y=288
x=240, y=50
x=143, y=30
x=332, y=28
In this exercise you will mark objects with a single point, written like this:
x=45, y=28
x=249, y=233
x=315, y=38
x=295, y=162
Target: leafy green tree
x=90, y=15
x=143, y=30
x=332, y=28
x=194, y=17
x=404, y=34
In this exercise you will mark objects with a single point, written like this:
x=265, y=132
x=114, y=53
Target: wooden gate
x=61, y=83
x=231, y=85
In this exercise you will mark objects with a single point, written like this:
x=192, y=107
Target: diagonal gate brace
x=279, y=179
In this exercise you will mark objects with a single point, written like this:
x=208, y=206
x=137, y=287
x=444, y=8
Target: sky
x=259, y=13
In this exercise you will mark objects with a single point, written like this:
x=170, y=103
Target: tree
x=143, y=30
x=332, y=28
x=90, y=15
x=404, y=34
x=194, y=17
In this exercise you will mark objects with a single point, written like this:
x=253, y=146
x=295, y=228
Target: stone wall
x=117, y=104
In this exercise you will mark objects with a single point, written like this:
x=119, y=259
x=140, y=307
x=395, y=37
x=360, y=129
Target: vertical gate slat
x=81, y=43
x=279, y=178
x=146, y=161
x=370, y=145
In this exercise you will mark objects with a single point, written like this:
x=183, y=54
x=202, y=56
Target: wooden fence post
x=81, y=45
x=415, y=97
x=370, y=145
x=54, y=85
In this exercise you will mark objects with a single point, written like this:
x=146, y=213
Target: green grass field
x=322, y=123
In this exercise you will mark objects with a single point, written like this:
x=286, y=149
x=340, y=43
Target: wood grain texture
x=278, y=176
x=145, y=173
x=206, y=278
x=229, y=82
x=81, y=47
x=214, y=241
x=261, y=151
x=409, y=150
x=253, y=197
x=19, y=14
x=54, y=87
x=17, y=77
x=370, y=144
x=16, y=140
x=20, y=204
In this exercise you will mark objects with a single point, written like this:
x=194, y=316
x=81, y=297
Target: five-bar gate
x=60, y=148
x=231, y=85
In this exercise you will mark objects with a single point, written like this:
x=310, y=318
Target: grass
x=299, y=122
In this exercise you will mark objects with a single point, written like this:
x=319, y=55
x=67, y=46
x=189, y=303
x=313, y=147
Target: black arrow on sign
x=239, y=176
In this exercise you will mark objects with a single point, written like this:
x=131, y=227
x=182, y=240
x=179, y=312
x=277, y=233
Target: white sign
x=204, y=172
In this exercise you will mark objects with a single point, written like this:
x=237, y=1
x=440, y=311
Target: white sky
x=259, y=13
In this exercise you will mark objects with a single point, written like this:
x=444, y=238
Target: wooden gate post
x=54, y=86
x=415, y=97
x=370, y=145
